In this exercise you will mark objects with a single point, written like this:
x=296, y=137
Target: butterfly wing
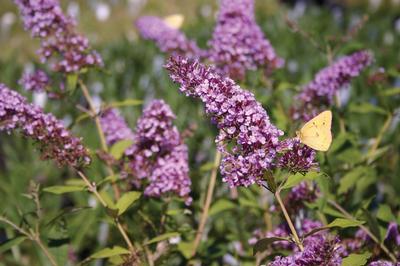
x=316, y=133
x=174, y=21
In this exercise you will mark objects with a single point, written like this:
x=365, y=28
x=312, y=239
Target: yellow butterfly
x=174, y=21
x=316, y=133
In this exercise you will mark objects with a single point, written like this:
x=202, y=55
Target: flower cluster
x=159, y=154
x=55, y=141
x=69, y=50
x=298, y=159
x=168, y=39
x=320, y=92
x=114, y=127
x=238, y=44
x=37, y=81
x=247, y=139
x=319, y=251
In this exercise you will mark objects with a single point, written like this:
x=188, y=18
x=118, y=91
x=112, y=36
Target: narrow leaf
x=126, y=201
x=220, y=206
x=109, y=252
x=127, y=102
x=264, y=243
x=294, y=180
x=344, y=223
x=162, y=237
x=356, y=259
x=11, y=243
x=385, y=213
x=63, y=189
x=118, y=149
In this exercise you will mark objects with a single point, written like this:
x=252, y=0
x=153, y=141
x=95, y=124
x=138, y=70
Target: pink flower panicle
x=55, y=141
x=247, y=139
x=319, y=93
x=168, y=40
x=70, y=52
x=238, y=44
x=159, y=154
x=115, y=127
x=37, y=81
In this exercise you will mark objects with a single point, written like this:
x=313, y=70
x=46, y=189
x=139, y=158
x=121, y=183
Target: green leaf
x=391, y=92
x=110, y=252
x=75, y=182
x=127, y=200
x=11, y=243
x=264, y=243
x=127, y=102
x=351, y=155
x=338, y=142
x=350, y=179
x=108, y=199
x=366, y=108
x=294, y=180
x=220, y=206
x=72, y=80
x=108, y=179
x=186, y=248
x=356, y=259
x=63, y=189
x=385, y=213
x=118, y=149
x=162, y=237
x=207, y=167
x=345, y=223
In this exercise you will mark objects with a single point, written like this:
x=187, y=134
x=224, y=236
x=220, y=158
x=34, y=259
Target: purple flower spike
x=37, y=81
x=238, y=44
x=168, y=40
x=159, y=153
x=242, y=121
x=320, y=92
x=55, y=141
x=248, y=141
x=59, y=41
x=115, y=127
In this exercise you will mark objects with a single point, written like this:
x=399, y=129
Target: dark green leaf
x=264, y=243
x=11, y=243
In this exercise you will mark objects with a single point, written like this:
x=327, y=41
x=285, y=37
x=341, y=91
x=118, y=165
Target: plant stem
x=100, y=132
x=45, y=251
x=33, y=237
x=365, y=229
x=207, y=202
x=288, y=220
x=92, y=188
